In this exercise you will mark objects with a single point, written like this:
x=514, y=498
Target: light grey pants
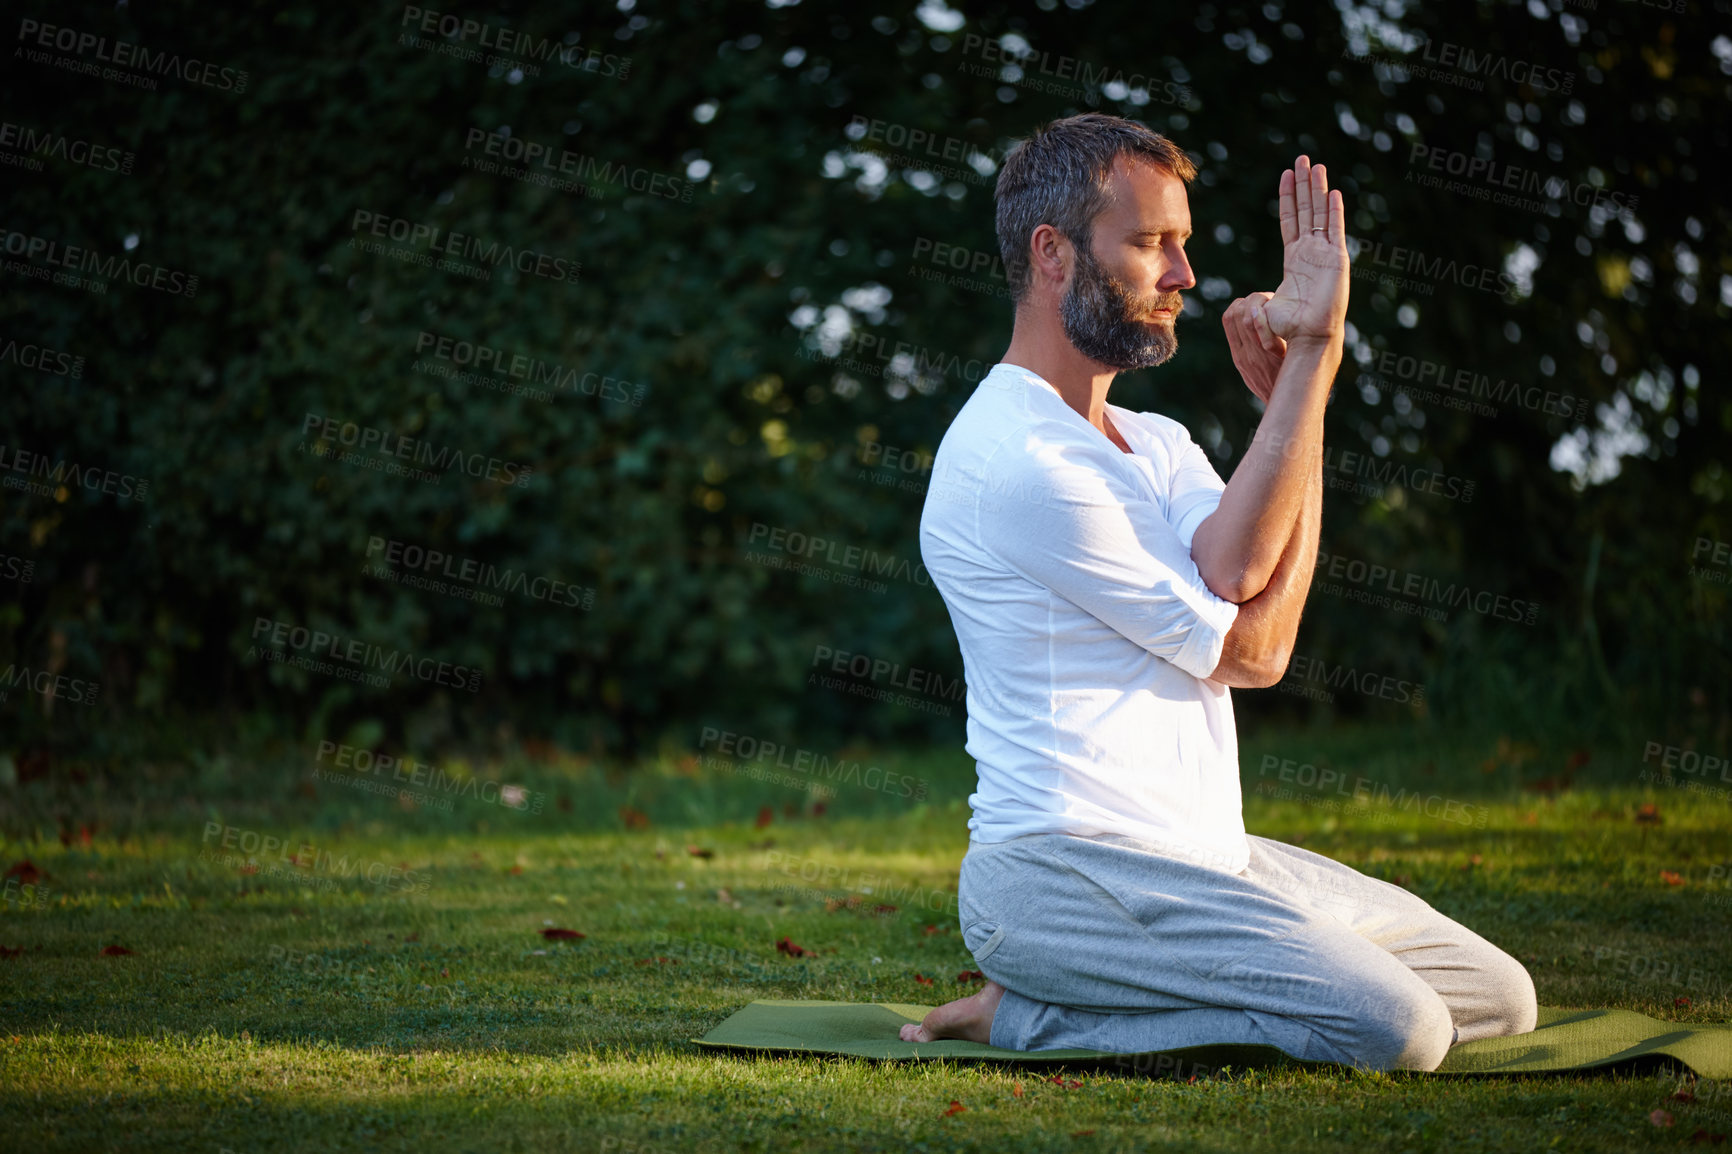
x=1108, y=943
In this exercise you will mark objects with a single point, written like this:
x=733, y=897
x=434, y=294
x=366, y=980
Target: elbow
x=1266, y=669
x=1240, y=587
x=1253, y=670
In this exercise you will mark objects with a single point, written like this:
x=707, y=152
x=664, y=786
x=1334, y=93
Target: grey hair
x=1058, y=176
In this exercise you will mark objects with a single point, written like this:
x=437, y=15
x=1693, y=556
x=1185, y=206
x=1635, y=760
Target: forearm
x=1260, y=643
x=1240, y=545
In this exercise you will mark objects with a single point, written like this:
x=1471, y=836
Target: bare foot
x=969, y=1019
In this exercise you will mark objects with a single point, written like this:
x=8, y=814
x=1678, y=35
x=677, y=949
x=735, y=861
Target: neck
x=1039, y=345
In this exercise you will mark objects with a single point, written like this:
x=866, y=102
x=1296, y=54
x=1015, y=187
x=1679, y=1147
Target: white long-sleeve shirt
x=1087, y=633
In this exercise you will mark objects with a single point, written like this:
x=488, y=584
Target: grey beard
x=1096, y=312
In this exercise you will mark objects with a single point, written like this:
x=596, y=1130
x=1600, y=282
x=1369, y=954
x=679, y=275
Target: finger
x=1265, y=335
x=1260, y=298
x=1337, y=218
x=1320, y=198
x=1302, y=194
x=1236, y=343
x=1289, y=209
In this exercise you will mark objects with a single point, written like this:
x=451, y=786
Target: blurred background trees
x=770, y=323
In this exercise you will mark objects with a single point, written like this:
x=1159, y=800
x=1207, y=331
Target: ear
x=1051, y=257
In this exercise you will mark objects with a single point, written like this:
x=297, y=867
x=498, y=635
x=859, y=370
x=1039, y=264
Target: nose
x=1178, y=275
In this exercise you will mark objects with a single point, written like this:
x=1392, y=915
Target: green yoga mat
x=1564, y=1040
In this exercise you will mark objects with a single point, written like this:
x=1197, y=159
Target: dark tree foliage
x=788, y=286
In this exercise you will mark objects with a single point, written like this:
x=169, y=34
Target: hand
x=1257, y=351
x=1311, y=304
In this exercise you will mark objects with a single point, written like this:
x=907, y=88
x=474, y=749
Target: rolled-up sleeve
x=1104, y=546
x=1196, y=489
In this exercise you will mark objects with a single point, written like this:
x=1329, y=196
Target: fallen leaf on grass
x=1681, y=1002
x=1671, y=878
x=1661, y=1118
x=1648, y=814
x=923, y=979
x=1081, y=1133
x=251, y=867
x=516, y=869
x=955, y=1108
x=1064, y=1083
x=1016, y=1089
x=930, y=930
x=1702, y=1138
x=700, y=851
x=793, y=951
x=555, y=932
x=970, y=976
x=1682, y=1096
x=26, y=873
x=657, y=960
x=114, y=951
x=414, y=937
x=10, y=951
x=766, y=815
x=634, y=818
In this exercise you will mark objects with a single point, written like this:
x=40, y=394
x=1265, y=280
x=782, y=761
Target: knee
x=1412, y=1031
x=1512, y=1006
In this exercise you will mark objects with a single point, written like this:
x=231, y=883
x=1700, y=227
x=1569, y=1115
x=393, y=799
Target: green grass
x=423, y=1010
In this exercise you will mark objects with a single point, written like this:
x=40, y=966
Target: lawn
x=234, y=954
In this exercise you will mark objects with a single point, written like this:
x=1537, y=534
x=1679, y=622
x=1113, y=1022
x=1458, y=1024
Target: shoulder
x=1159, y=425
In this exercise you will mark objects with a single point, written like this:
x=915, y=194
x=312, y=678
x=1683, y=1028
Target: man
x=1107, y=589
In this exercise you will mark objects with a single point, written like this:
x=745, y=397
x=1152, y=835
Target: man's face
x=1123, y=299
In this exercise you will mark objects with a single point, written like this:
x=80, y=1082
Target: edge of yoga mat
x=1563, y=1040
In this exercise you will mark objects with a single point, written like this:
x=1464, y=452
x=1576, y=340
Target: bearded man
x=1108, y=590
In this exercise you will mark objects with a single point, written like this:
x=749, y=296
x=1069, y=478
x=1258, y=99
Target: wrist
x=1316, y=344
